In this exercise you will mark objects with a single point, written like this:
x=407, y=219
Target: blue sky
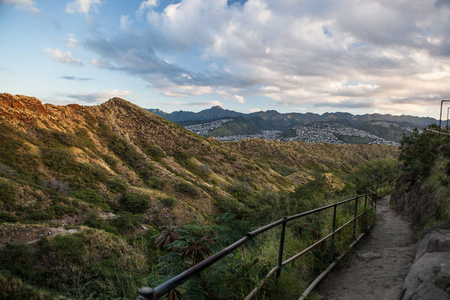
x=385, y=56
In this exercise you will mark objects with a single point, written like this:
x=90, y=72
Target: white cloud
x=231, y=94
x=65, y=58
x=100, y=97
x=295, y=52
x=184, y=91
x=28, y=5
x=125, y=22
x=71, y=41
x=146, y=5
x=83, y=6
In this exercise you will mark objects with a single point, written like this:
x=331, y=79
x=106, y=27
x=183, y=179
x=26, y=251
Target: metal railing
x=370, y=199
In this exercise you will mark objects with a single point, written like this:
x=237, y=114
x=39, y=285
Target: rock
x=429, y=277
x=20, y=102
x=368, y=256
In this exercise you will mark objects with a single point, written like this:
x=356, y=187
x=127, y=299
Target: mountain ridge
x=208, y=114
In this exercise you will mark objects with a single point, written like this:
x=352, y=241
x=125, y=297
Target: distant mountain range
x=337, y=128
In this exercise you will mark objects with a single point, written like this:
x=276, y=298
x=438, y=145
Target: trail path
x=380, y=264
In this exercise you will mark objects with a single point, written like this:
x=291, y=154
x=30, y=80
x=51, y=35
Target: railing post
x=281, y=249
x=146, y=293
x=333, y=231
x=365, y=202
x=354, y=217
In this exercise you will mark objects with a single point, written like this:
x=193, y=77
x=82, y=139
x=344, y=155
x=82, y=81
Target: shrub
x=6, y=217
x=118, y=184
x=155, y=182
x=125, y=222
x=169, y=201
x=66, y=138
x=188, y=189
x=135, y=203
x=90, y=196
x=8, y=193
x=155, y=151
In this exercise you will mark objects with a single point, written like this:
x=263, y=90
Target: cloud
x=205, y=103
x=125, y=22
x=76, y=78
x=295, y=52
x=71, y=41
x=146, y=5
x=28, y=5
x=100, y=97
x=232, y=95
x=83, y=6
x=65, y=58
x=199, y=103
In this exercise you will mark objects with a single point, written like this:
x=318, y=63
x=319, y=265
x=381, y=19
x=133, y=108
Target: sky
x=357, y=56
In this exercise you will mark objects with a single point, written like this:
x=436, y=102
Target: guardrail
x=370, y=199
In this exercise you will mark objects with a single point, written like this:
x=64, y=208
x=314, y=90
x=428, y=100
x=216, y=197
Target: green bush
x=155, y=151
x=188, y=189
x=90, y=196
x=60, y=160
x=135, y=203
x=118, y=184
x=8, y=193
x=418, y=151
x=169, y=201
x=155, y=182
x=6, y=217
x=125, y=222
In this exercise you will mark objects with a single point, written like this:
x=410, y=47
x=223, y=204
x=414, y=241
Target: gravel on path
x=379, y=265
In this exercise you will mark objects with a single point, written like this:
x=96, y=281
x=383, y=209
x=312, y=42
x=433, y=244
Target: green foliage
x=418, y=151
x=12, y=152
x=372, y=173
x=8, y=193
x=118, y=184
x=125, y=222
x=188, y=189
x=155, y=182
x=90, y=196
x=7, y=217
x=86, y=265
x=155, y=151
x=13, y=288
x=284, y=170
x=135, y=203
x=169, y=201
x=63, y=161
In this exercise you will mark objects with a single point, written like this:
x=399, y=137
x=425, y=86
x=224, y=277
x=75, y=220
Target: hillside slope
x=88, y=187
x=70, y=148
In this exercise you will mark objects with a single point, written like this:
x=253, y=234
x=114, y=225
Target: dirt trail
x=380, y=264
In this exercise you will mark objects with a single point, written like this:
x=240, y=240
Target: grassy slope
x=61, y=163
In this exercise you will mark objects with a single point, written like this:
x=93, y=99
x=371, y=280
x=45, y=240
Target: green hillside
x=100, y=182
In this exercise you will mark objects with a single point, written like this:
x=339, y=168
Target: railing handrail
x=160, y=290
x=434, y=131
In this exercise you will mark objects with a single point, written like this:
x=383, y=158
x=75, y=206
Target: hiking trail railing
x=370, y=202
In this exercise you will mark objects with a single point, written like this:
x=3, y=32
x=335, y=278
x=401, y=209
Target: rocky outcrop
x=429, y=277
x=22, y=103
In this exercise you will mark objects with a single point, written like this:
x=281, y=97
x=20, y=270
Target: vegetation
x=145, y=199
x=422, y=192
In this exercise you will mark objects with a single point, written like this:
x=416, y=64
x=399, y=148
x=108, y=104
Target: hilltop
x=115, y=173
